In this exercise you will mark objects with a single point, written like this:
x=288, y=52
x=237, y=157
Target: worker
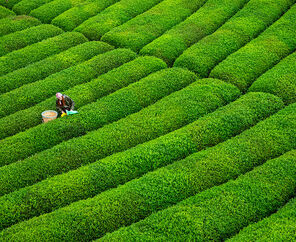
x=64, y=103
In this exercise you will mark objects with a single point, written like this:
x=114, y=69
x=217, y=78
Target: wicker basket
x=49, y=115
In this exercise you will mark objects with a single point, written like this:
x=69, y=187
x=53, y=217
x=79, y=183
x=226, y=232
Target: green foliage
x=212, y=215
x=280, y=226
x=280, y=80
x=244, y=66
x=113, y=16
x=26, y=6
x=119, y=168
x=203, y=22
x=5, y=12
x=76, y=15
x=144, y=28
x=17, y=23
x=52, y=133
x=49, y=11
x=82, y=94
x=9, y=3
x=164, y=187
x=21, y=39
x=166, y=115
x=38, y=51
x=41, y=69
x=248, y=23
x=33, y=93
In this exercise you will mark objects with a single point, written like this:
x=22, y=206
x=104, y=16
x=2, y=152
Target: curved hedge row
x=244, y=66
x=63, y=129
x=17, y=23
x=203, y=22
x=139, y=198
x=5, y=12
x=9, y=4
x=212, y=215
x=33, y=93
x=248, y=23
x=49, y=11
x=280, y=226
x=26, y=6
x=59, y=191
x=83, y=94
x=76, y=15
x=280, y=80
x=53, y=64
x=137, y=32
x=166, y=115
x=115, y=15
x=38, y=51
x=21, y=39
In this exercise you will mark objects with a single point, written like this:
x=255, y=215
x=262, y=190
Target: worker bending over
x=64, y=104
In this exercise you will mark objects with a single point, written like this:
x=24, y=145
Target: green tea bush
x=9, y=3
x=26, y=6
x=144, y=28
x=21, y=39
x=279, y=80
x=280, y=226
x=33, y=93
x=17, y=23
x=66, y=188
x=247, y=24
x=166, y=115
x=167, y=186
x=113, y=16
x=244, y=66
x=83, y=94
x=63, y=129
x=200, y=24
x=5, y=12
x=49, y=11
x=212, y=215
x=41, y=69
x=38, y=51
x=78, y=14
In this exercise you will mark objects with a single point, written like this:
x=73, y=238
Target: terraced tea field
x=186, y=124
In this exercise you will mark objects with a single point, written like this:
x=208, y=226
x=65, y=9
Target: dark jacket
x=65, y=104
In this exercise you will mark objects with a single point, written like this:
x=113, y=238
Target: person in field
x=64, y=103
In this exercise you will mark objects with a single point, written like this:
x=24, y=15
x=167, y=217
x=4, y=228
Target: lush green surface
x=82, y=94
x=248, y=23
x=117, y=169
x=279, y=80
x=41, y=69
x=261, y=54
x=76, y=15
x=91, y=116
x=21, y=39
x=217, y=213
x=26, y=6
x=113, y=16
x=5, y=12
x=203, y=22
x=280, y=226
x=144, y=28
x=166, y=115
x=155, y=152
x=17, y=23
x=33, y=93
x=38, y=51
x=139, y=198
x=49, y=11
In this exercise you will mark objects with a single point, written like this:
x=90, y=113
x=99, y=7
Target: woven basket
x=49, y=115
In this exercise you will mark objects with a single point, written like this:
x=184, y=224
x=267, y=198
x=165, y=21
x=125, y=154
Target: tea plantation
x=186, y=124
